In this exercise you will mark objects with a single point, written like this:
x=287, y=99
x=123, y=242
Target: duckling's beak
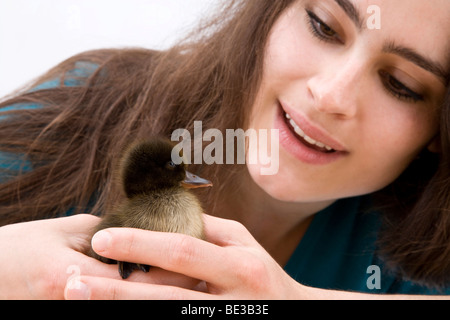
x=192, y=181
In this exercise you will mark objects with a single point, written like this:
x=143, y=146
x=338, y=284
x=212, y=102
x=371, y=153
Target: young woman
x=358, y=206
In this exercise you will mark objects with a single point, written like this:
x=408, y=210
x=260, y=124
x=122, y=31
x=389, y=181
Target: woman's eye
x=398, y=89
x=320, y=29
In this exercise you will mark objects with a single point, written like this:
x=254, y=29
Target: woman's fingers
x=96, y=288
x=160, y=276
x=183, y=254
x=225, y=232
x=231, y=264
x=170, y=251
x=231, y=253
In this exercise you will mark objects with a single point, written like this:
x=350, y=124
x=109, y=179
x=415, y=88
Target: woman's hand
x=37, y=258
x=230, y=265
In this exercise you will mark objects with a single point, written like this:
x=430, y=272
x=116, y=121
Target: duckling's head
x=148, y=166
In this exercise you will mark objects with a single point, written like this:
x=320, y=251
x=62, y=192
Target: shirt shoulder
x=12, y=164
x=73, y=78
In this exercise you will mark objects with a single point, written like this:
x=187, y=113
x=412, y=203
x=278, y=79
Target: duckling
x=157, y=196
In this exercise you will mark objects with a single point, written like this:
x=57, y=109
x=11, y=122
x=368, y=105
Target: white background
x=35, y=35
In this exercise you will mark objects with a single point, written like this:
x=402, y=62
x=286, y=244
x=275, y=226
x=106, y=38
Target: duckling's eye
x=170, y=165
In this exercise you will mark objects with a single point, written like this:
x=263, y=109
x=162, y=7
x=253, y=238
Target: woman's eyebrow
x=352, y=12
x=417, y=59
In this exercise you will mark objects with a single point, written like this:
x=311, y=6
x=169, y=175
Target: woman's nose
x=337, y=90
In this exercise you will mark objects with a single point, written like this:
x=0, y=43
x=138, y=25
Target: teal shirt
x=338, y=250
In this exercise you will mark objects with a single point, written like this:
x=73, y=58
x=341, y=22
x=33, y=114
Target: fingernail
x=101, y=241
x=76, y=290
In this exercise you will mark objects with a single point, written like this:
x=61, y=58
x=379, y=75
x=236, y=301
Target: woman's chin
x=279, y=186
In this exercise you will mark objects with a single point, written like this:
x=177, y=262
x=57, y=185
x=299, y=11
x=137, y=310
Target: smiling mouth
x=305, y=139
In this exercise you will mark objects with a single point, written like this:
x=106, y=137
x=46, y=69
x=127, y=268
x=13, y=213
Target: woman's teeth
x=305, y=137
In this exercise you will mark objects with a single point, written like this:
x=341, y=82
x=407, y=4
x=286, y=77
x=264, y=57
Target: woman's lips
x=312, y=133
x=306, y=142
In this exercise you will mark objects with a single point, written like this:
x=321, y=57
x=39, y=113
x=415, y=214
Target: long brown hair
x=75, y=140
x=415, y=237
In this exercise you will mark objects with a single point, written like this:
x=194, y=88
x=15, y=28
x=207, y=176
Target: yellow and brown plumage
x=157, y=196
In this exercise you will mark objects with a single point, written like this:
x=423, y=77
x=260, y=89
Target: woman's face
x=354, y=104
